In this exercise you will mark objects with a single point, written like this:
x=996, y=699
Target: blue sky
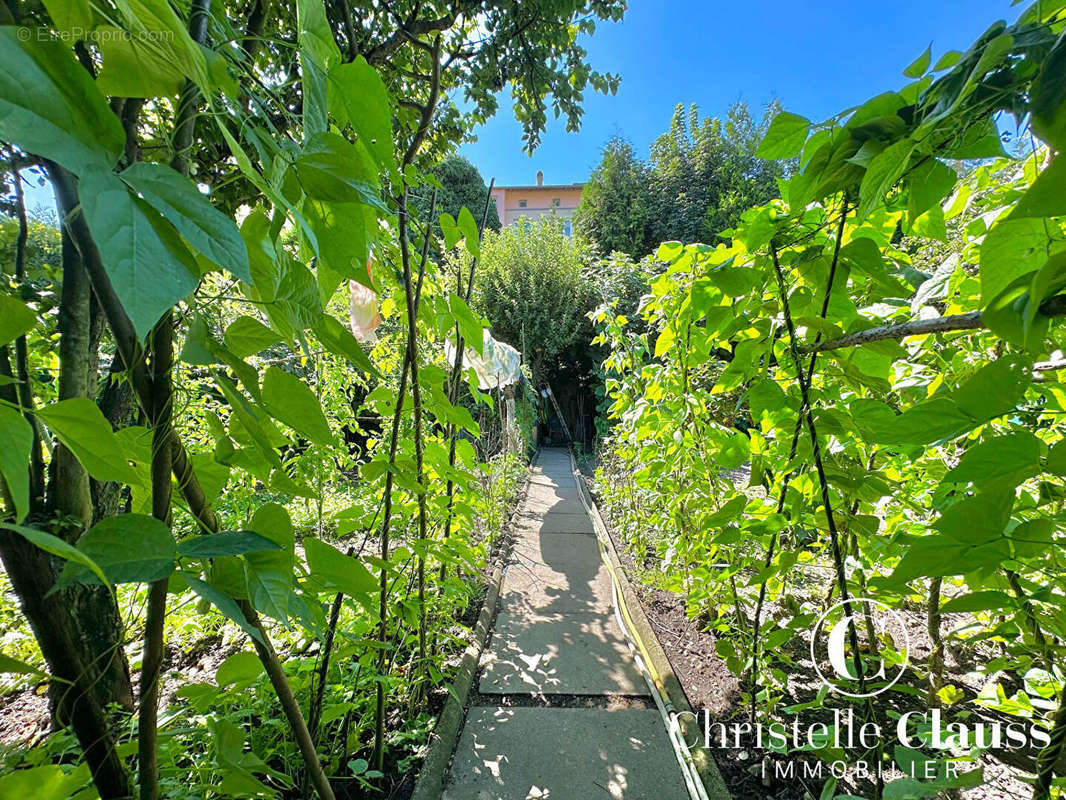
x=817, y=57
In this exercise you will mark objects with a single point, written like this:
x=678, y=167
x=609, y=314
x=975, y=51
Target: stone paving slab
x=561, y=470
x=553, y=491
x=554, y=588
x=555, y=521
x=564, y=754
x=559, y=654
x=555, y=467
x=558, y=473
x=541, y=479
x=544, y=499
x=567, y=555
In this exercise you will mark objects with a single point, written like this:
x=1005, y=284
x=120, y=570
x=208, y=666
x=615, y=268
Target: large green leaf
x=236, y=764
x=937, y=555
x=927, y=184
x=70, y=14
x=17, y=436
x=206, y=228
x=1034, y=538
x=246, y=336
x=201, y=348
x=930, y=421
x=269, y=582
x=344, y=232
x=57, y=547
x=977, y=519
x=50, y=106
x=79, y=424
x=1049, y=98
x=269, y=572
x=318, y=54
x=336, y=570
x=251, y=425
x=130, y=69
x=15, y=318
x=785, y=136
x=1016, y=454
x=129, y=548
x=222, y=601
x=231, y=543
x=1047, y=196
x=149, y=266
x=1011, y=249
x=333, y=169
x=977, y=601
x=766, y=397
x=995, y=389
x=1056, y=458
x=471, y=326
x=296, y=304
x=160, y=34
x=468, y=226
x=239, y=671
x=336, y=338
x=918, y=67
x=358, y=96
x=978, y=141
x=290, y=400
x=14, y=666
x=882, y=174
x=450, y=228
x=48, y=782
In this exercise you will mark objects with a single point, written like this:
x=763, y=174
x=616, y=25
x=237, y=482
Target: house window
x=555, y=202
x=521, y=203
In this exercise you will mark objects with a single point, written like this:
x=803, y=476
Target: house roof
x=544, y=187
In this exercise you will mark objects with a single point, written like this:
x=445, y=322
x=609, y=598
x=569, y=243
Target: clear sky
x=818, y=57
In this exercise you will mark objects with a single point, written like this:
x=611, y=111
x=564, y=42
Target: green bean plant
x=882, y=349
x=196, y=443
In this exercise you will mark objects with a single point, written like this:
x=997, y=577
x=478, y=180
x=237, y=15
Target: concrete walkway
x=562, y=712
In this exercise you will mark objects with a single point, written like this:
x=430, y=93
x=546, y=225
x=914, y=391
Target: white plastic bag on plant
x=363, y=310
x=497, y=366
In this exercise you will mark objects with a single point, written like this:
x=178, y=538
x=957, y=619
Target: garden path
x=562, y=711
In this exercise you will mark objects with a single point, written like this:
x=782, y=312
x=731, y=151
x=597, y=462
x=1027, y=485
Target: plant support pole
x=838, y=559
x=457, y=369
x=787, y=479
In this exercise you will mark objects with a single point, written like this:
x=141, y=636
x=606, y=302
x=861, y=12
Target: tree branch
x=414, y=28
x=972, y=320
x=430, y=107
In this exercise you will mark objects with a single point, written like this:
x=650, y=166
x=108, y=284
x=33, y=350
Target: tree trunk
x=96, y=625
x=31, y=574
x=115, y=399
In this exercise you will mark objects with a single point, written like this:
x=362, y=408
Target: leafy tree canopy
x=530, y=284
x=701, y=175
x=461, y=184
x=616, y=204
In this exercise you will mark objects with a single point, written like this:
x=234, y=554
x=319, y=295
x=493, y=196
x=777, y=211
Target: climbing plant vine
x=883, y=346
x=231, y=396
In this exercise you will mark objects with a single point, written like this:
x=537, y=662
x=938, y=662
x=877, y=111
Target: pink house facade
x=515, y=202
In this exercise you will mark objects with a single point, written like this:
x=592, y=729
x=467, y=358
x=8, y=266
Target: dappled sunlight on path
x=563, y=711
